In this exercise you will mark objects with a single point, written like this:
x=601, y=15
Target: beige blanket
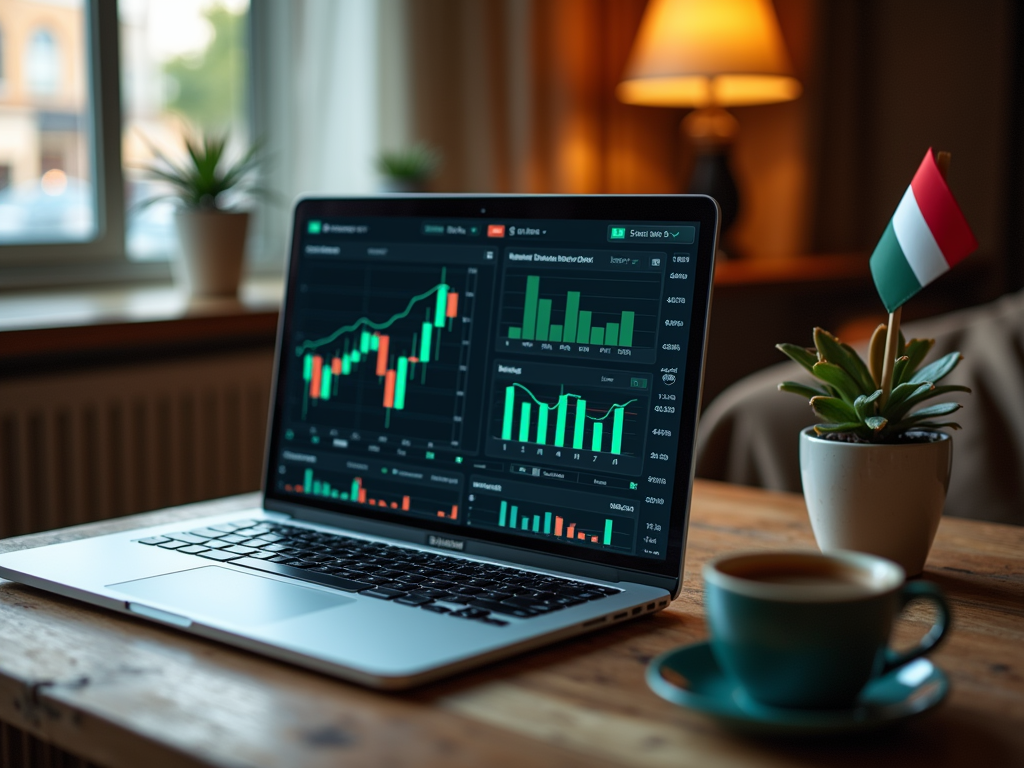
x=748, y=435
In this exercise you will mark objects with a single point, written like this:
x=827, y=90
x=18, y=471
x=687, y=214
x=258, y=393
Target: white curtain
x=320, y=102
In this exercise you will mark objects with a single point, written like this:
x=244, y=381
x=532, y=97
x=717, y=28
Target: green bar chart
x=581, y=313
x=569, y=416
x=582, y=317
x=578, y=423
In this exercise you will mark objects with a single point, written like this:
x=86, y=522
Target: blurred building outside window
x=46, y=155
x=42, y=64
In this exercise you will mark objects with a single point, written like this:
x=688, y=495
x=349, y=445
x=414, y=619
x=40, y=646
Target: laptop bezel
x=629, y=208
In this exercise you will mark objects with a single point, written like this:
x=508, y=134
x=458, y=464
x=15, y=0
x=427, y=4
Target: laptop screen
x=517, y=380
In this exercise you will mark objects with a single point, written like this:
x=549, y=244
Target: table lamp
x=709, y=54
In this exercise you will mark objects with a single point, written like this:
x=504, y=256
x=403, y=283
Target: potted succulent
x=876, y=469
x=408, y=170
x=211, y=234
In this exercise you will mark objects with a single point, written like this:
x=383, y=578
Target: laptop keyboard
x=434, y=582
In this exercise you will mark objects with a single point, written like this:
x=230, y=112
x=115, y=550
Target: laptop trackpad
x=221, y=595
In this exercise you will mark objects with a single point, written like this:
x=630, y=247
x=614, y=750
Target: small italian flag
x=926, y=236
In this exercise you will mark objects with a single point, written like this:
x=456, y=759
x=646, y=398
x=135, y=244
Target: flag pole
x=892, y=332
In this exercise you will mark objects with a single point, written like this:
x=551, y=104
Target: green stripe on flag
x=893, y=276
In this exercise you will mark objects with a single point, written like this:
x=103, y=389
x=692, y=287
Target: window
x=98, y=84
x=42, y=65
x=136, y=73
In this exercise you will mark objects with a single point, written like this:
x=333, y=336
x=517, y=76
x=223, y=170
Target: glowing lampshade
x=708, y=53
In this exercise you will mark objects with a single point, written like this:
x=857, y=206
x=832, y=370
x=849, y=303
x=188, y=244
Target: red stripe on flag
x=939, y=208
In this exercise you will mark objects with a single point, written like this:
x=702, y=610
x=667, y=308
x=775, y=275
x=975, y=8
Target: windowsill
x=121, y=322
x=48, y=328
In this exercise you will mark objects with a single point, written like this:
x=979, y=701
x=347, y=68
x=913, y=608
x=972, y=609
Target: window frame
x=103, y=259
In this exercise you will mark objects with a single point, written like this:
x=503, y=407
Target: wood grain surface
x=123, y=692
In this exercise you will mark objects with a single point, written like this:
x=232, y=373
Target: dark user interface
x=522, y=378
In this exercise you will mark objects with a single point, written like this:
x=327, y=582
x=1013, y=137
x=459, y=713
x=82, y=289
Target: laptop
x=481, y=441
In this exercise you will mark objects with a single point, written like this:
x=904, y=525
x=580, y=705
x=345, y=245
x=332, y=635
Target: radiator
x=21, y=750
x=89, y=445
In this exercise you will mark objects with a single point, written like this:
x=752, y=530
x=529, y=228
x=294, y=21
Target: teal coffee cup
x=809, y=630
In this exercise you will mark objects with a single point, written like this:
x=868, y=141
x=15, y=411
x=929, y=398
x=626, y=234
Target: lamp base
x=711, y=131
x=711, y=176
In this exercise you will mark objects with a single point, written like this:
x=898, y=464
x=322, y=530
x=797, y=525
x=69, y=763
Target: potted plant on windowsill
x=875, y=473
x=876, y=470
x=212, y=235
x=408, y=170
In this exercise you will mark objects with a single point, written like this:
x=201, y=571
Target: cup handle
x=912, y=591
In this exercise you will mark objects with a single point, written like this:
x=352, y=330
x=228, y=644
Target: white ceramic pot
x=212, y=250
x=886, y=500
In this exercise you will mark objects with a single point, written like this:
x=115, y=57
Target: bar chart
x=590, y=313
x=581, y=429
x=536, y=519
x=398, y=365
x=389, y=495
x=570, y=417
x=577, y=325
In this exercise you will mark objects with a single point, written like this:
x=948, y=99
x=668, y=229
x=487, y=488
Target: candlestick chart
x=395, y=365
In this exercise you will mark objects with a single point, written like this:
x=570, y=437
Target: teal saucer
x=690, y=677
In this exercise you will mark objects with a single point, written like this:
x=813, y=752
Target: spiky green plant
x=200, y=182
x=849, y=399
x=414, y=164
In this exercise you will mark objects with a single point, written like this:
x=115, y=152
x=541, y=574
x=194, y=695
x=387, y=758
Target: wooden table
x=122, y=692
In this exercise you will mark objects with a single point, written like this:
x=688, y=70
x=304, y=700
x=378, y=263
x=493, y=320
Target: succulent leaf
x=832, y=351
x=864, y=405
x=876, y=353
x=877, y=423
x=863, y=376
x=936, y=425
x=917, y=350
x=937, y=370
x=801, y=389
x=834, y=410
x=924, y=392
x=901, y=393
x=939, y=409
x=802, y=355
x=839, y=379
x=898, y=369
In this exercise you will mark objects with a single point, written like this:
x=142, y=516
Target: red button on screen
x=495, y=230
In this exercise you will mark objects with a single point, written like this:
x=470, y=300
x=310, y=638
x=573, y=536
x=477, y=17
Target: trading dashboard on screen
x=520, y=380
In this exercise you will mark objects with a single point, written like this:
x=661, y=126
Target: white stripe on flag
x=917, y=241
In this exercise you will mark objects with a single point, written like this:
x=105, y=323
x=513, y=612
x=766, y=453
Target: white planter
x=212, y=250
x=885, y=500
